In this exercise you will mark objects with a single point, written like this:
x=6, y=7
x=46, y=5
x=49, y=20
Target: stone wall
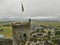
x=6, y=42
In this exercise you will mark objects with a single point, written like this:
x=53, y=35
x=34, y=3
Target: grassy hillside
x=7, y=31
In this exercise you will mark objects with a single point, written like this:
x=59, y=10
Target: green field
x=55, y=24
x=7, y=31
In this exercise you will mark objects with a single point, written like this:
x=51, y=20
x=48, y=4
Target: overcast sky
x=33, y=8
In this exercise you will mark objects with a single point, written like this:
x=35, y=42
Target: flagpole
x=22, y=8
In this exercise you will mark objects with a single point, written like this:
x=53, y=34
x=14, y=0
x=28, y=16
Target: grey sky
x=33, y=8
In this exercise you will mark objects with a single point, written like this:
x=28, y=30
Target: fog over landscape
x=32, y=9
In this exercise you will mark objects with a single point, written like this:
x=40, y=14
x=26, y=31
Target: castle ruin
x=21, y=32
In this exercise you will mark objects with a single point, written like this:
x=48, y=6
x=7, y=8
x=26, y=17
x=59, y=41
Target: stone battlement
x=20, y=24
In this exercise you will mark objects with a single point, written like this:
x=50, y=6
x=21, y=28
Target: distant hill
x=26, y=19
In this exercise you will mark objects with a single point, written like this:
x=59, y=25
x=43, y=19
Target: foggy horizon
x=32, y=8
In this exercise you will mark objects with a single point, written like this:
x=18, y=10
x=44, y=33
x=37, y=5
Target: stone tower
x=21, y=32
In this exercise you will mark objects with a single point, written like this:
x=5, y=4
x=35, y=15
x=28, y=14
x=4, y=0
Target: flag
x=22, y=7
